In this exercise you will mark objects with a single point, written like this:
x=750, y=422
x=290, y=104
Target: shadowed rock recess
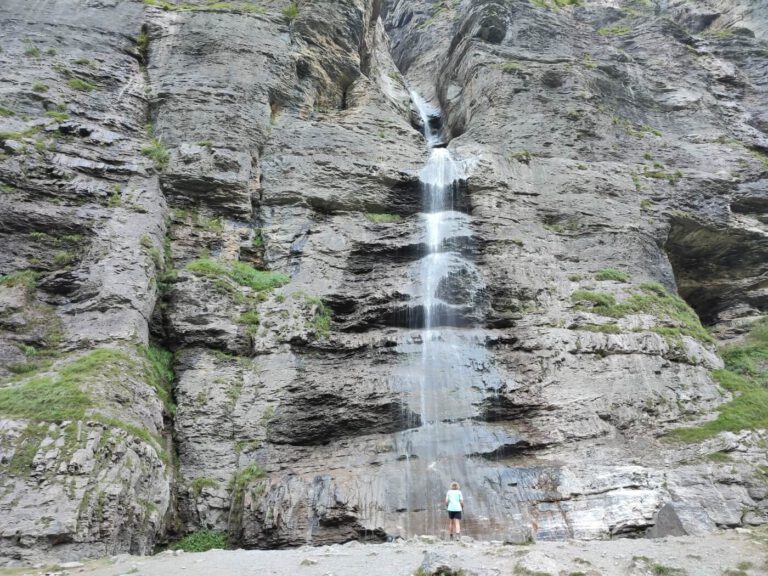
x=213, y=306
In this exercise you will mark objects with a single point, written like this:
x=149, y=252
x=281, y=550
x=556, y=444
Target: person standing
x=454, y=501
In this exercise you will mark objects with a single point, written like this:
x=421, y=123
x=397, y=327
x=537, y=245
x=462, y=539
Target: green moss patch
x=81, y=85
x=45, y=398
x=613, y=274
x=238, y=272
x=62, y=393
x=651, y=299
x=58, y=396
x=616, y=30
x=383, y=218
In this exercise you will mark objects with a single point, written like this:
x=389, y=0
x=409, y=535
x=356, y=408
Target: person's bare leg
x=457, y=530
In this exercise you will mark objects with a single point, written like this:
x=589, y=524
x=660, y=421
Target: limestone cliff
x=213, y=235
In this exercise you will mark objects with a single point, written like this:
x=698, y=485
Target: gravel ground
x=734, y=553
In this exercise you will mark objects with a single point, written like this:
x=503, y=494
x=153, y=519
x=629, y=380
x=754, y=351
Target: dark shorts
x=454, y=515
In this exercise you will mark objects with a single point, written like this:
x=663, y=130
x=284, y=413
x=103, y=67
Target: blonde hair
x=454, y=485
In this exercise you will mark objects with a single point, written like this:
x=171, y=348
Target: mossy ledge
x=745, y=375
x=651, y=299
x=64, y=391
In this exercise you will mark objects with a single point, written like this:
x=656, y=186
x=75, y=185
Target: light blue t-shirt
x=454, y=498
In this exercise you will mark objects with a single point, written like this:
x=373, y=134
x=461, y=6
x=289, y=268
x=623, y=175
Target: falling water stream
x=449, y=374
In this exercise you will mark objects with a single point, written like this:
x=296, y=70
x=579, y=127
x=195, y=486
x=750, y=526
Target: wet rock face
x=269, y=230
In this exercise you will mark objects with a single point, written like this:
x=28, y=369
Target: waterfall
x=446, y=374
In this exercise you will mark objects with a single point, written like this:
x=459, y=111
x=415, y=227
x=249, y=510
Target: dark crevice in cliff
x=719, y=270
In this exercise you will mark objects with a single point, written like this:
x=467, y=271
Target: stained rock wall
x=238, y=184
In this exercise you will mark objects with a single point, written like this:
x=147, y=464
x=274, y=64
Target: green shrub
x=597, y=299
x=612, y=274
x=321, y=320
x=197, y=485
x=746, y=376
x=39, y=87
x=142, y=45
x=291, y=11
x=58, y=116
x=81, y=85
x=25, y=278
x=32, y=52
x=250, y=319
x=6, y=112
x=63, y=258
x=243, y=477
x=239, y=272
x=159, y=373
x=157, y=152
x=201, y=541
x=383, y=218
x=246, y=275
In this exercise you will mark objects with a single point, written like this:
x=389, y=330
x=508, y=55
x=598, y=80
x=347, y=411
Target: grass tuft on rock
x=746, y=376
x=380, y=218
x=250, y=320
x=321, y=316
x=651, y=298
x=612, y=274
x=240, y=273
x=159, y=373
x=157, y=152
x=58, y=116
x=599, y=300
x=25, y=278
x=197, y=485
x=59, y=396
x=81, y=85
x=45, y=399
x=291, y=11
x=202, y=541
x=616, y=30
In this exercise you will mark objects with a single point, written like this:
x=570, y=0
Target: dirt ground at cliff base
x=732, y=553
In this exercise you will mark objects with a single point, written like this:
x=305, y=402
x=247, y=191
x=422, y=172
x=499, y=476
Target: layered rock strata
x=238, y=183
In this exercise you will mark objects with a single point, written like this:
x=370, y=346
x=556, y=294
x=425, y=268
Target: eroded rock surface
x=267, y=228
